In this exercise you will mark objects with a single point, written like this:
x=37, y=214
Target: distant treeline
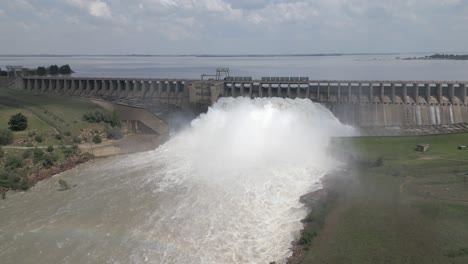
x=51, y=70
x=42, y=71
x=448, y=57
x=440, y=57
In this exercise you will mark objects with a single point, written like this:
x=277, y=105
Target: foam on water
x=225, y=190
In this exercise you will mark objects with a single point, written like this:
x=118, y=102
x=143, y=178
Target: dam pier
x=377, y=107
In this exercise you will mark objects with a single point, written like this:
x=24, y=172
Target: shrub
x=115, y=120
x=76, y=140
x=67, y=134
x=75, y=148
x=29, y=144
x=114, y=132
x=38, y=139
x=31, y=134
x=67, y=152
x=97, y=139
x=38, y=155
x=14, y=162
x=12, y=180
x=18, y=122
x=6, y=137
x=58, y=137
x=2, y=153
x=48, y=161
x=50, y=149
x=27, y=154
x=97, y=117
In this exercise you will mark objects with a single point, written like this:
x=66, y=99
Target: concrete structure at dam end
x=371, y=105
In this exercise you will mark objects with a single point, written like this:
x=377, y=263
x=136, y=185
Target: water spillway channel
x=224, y=190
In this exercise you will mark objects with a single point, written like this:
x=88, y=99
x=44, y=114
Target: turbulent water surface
x=224, y=190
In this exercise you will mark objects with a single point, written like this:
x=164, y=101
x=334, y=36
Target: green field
x=48, y=115
x=55, y=128
x=412, y=209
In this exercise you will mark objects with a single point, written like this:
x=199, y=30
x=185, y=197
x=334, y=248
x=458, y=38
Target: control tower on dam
x=362, y=103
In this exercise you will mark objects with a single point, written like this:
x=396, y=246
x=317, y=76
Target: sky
x=232, y=26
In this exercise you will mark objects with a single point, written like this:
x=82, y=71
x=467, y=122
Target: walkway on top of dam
x=283, y=80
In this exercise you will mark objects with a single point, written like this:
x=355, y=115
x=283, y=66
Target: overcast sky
x=231, y=26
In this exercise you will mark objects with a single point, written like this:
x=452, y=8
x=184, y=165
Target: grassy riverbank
x=411, y=209
x=53, y=140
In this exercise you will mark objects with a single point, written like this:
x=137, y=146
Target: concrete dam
x=377, y=107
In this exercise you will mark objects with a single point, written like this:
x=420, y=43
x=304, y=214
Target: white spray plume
x=246, y=163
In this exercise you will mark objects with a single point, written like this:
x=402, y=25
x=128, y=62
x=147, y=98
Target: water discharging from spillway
x=225, y=190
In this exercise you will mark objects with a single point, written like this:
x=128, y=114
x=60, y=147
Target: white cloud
x=99, y=9
x=96, y=8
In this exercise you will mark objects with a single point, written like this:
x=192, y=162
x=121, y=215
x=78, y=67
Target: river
x=224, y=190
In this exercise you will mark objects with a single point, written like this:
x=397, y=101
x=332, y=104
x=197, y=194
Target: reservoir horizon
x=329, y=67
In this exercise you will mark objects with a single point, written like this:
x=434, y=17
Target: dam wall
x=359, y=103
x=366, y=103
x=168, y=91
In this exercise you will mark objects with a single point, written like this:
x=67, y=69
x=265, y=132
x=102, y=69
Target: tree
x=41, y=71
x=18, y=122
x=53, y=70
x=6, y=137
x=65, y=69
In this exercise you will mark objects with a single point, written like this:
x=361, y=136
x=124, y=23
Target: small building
x=422, y=147
x=462, y=147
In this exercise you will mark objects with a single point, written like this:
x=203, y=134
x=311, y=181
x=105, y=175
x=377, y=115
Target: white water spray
x=245, y=164
x=226, y=190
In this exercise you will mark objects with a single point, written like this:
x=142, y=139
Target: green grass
x=57, y=120
x=413, y=209
x=402, y=148
x=47, y=114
